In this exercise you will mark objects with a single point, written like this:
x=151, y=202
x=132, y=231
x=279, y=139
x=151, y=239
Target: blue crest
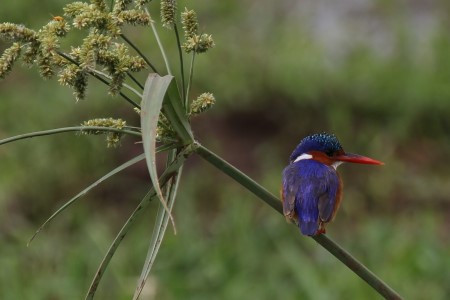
x=324, y=142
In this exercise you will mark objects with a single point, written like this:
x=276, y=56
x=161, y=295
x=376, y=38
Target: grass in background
x=401, y=105
x=224, y=253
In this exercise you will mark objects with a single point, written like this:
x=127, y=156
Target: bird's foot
x=321, y=229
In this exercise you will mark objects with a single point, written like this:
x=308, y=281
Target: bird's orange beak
x=356, y=158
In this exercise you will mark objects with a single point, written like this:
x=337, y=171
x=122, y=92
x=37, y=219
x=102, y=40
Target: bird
x=311, y=189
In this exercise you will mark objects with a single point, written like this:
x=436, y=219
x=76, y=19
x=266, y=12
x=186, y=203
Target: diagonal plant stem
x=67, y=129
x=100, y=73
x=139, y=52
x=240, y=177
x=357, y=267
x=135, y=80
x=180, y=54
x=160, y=45
x=191, y=75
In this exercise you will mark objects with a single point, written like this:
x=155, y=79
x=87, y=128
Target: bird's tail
x=309, y=227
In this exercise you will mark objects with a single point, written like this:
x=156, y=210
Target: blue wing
x=309, y=192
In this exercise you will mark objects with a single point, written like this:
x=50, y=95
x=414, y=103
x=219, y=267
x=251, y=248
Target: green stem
x=379, y=285
x=100, y=73
x=191, y=75
x=161, y=48
x=357, y=267
x=180, y=54
x=67, y=129
x=135, y=80
x=240, y=177
x=139, y=52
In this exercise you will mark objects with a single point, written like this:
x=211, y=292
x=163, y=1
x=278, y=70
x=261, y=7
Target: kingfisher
x=312, y=189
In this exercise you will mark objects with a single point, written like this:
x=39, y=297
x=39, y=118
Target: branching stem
x=100, y=73
x=139, y=52
x=62, y=54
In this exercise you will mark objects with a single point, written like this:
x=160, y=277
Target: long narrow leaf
x=175, y=112
x=165, y=177
x=103, y=178
x=86, y=190
x=115, y=244
x=157, y=235
x=154, y=92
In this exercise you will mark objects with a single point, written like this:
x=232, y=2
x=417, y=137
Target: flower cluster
x=112, y=138
x=204, y=102
x=168, y=11
x=198, y=43
x=99, y=49
x=165, y=131
x=8, y=58
x=190, y=23
x=39, y=47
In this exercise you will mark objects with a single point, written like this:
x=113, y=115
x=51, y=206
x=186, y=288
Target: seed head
x=168, y=10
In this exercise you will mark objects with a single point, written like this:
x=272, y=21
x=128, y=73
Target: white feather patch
x=336, y=164
x=303, y=156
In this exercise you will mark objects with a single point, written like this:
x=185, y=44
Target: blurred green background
x=376, y=73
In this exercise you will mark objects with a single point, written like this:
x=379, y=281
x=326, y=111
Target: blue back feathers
x=310, y=189
x=324, y=142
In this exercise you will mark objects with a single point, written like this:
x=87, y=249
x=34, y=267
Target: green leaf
x=115, y=244
x=154, y=93
x=86, y=190
x=162, y=219
x=175, y=112
x=168, y=173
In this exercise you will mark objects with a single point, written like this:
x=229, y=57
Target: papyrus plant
x=164, y=103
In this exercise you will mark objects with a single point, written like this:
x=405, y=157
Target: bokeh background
x=374, y=72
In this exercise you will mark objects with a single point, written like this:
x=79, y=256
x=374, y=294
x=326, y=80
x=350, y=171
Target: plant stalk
x=180, y=54
x=191, y=75
x=161, y=48
x=352, y=263
x=139, y=52
x=66, y=129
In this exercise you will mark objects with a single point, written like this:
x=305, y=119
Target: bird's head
x=327, y=149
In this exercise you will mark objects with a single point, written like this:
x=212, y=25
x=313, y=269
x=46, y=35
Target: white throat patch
x=336, y=164
x=303, y=156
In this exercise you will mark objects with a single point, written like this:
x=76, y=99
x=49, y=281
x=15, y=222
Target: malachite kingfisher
x=312, y=189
